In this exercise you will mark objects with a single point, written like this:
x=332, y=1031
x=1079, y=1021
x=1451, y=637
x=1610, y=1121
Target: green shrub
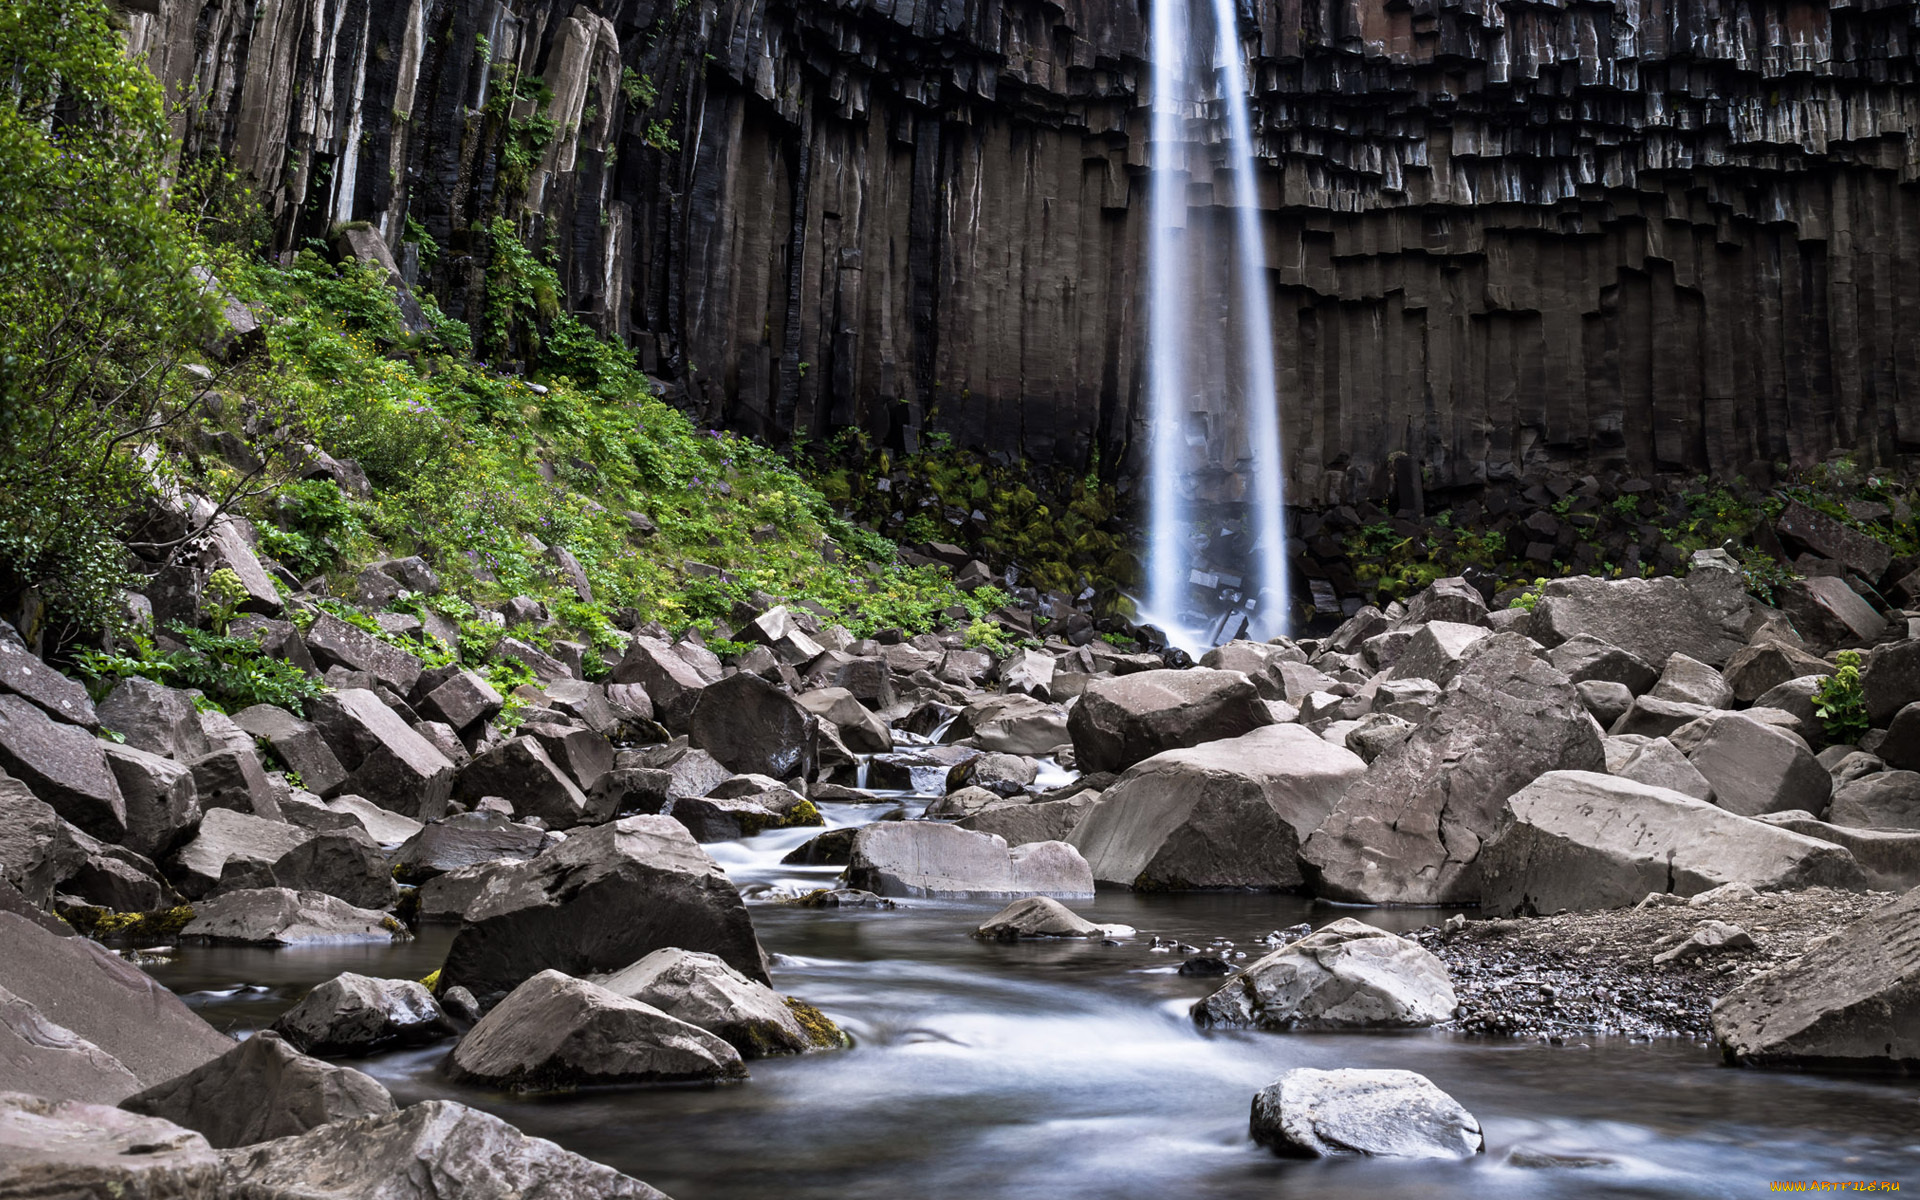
x=233, y=671
x=1841, y=702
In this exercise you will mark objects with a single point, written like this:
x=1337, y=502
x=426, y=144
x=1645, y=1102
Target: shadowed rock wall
x=1651, y=234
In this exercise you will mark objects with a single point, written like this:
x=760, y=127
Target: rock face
x=1579, y=840
x=1383, y=1114
x=597, y=902
x=1409, y=830
x=262, y=1089
x=356, y=1015
x=1229, y=814
x=1664, y=327
x=1121, y=721
x=554, y=1032
x=1344, y=975
x=924, y=858
x=1851, y=1000
x=426, y=1151
x=64, y=1149
x=704, y=991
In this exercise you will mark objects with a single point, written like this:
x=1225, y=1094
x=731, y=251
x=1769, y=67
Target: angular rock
x=82, y=987
x=356, y=1015
x=583, y=754
x=1651, y=619
x=922, y=770
x=262, y=1089
x=433, y=1150
x=1376, y=733
x=1901, y=748
x=1012, y=724
x=554, y=1032
x=385, y=827
x=705, y=992
x=232, y=848
x=345, y=864
x=752, y=727
x=22, y=673
x=1851, y=1000
x=64, y=765
x=1119, y=722
x=1036, y=917
x=1708, y=938
x=232, y=777
x=1345, y=975
x=1408, y=832
x=55, y=1061
x=1452, y=599
x=779, y=630
x=1829, y=614
x=463, y=700
x=462, y=841
x=299, y=744
x=38, y=850
x=1829, y=538
x=1657, y=762
x=283, y=917
x=1651, y=717
x=1435, y=652
x=63, y=1149
x=1795, y=697
x=1754, y=767
x=159, y=720
x=925, y=858
x=671, y=682
x=334, y=643
x=863, y=732
x=1586, y=658
x=598, y=901
x=729, y=818
x=1309, y=1113
x=1890, y=857
x=1608, y=702
x=1891, y=679
x=1042, y=821
x=1884, y=800
x=1028, y=672
x=968, y=802
x=520, y=770
x=387, y=762
x=1230, y=814
x=1577, y=840
x=1758, y=669
x=1690, y=681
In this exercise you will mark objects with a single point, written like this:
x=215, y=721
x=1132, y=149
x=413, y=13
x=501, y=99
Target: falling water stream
x=1177, y=345
x=1070, y=1071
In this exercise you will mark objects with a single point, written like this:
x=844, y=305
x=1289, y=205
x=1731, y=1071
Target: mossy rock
x=819, y=1027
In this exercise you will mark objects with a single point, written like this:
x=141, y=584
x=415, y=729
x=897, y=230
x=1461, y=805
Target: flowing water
x=985, y=1070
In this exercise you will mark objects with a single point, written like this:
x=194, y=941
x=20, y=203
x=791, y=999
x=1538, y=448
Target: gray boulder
x=387, y=762
x=231, y=849
x=1436, y=651
x=1657, y=762
x=1119, y=722
x=157, y=719
x=1850, y=1000
x=1890, y=857
x=1795, y=698
x=1650, y=716
x=334, y=643
x=1344, y=975
x=1651, y=619
x=463, y=840
x=163, y=804
x=598, y=901
x=64, y=765
x=22, y=673
x=38, y=850
x=69, y=1150
x=1891, y=679
x=862, y=732
x=1409, y=830
x=1829, y=614
x=261, y=1089
x=357, y=1015
x=752, y=727
x=1230, y=814
x=1690, y=681
x=1754, y=767
x=1578, y=840
x=1036, y=917
x=1765, y=665
x=1883, y=800
x=1585, y=658
x=745, y=1013
x=728, y=818
x=1451, y=599
x=232, y=777
x=1375, y=733
x=433, y=1150
x=299, y=744
x=1308, y=1113
x=463, y=700
x=53, y=1060
x=926, y=858
x=283, y=917
x=346, y=864
x=1608, y=702
x=1044, y=821
x=1901, y=747
x=521, y=770
x=384, y=826
x=671, y=682
x=554, y=1033
x=1012, y=724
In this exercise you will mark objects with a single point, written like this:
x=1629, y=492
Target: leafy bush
x=233, y=671
x=1841, y=701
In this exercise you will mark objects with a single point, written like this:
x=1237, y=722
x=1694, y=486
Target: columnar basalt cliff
x=1651, y=234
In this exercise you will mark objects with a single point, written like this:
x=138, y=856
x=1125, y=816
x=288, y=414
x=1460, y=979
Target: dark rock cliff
x=1651, y=234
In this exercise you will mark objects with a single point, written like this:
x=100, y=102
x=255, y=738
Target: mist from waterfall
x=1239, y=350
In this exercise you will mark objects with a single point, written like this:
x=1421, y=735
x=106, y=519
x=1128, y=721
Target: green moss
x=158, y=925
x=432, y=982
x=820, y=1029
x=803, y=813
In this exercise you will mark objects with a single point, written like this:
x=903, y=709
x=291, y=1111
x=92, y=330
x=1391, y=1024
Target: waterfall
x=1180, y=350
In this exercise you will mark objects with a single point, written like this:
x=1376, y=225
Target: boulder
x=382, y=825
x=967, y=802
x=862, y=732
x=157, y=719
x=1901, y=747
x=1258, y=661
x=232, y=777
x=598, y=901
x=1795, y=697
x=752, y=727
x=1230, y=814
x=1652, y=717
x=1585, y=657
x=231, y=849
x=554, y=1033
x=1608, y=702
x=1119, y=722
x=1657, y=762
x=745, y=1013
x=1452, y=599
x=1375, y=733
x=1850, y=1000
x=447, y=898
x=1409, y=830
x=38, y=850
x=922, y=770
x=1308, y=1113
x=1690, y=681
x=1759, y=668
x=729, y=818
x=463, y=840
x=23, y=674
x=1028, y=672
x=1890, y=857
x=1344, y=975
x=69, y=1150
x=261, y=1089
x=583, y=754
x=1037, y=917
x=1708, y=938
x=593, y=706
x=1891, y=679
x=1578, y=840
x=1828, y=537
x=345, y=864
x=433, y=1150
x=55, y=1061
x=925, y=858
x=387, y=762
x=1436, y=650
x=283, y=917
x=1829, y=614
x=1754, y=767
x=297, y=743
x=1012, y=724
x=334, y=643
x=80, y=986
x=163, y=805
x=356, y=1015
x=1883, y=800
x=780, y=631
x=64, y=765
x=521, y=770
x=463, y=700
x=671, y=682
x=1042, y=821
x=1651, y=619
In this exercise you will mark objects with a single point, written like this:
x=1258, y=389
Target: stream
x=1069, y=1070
